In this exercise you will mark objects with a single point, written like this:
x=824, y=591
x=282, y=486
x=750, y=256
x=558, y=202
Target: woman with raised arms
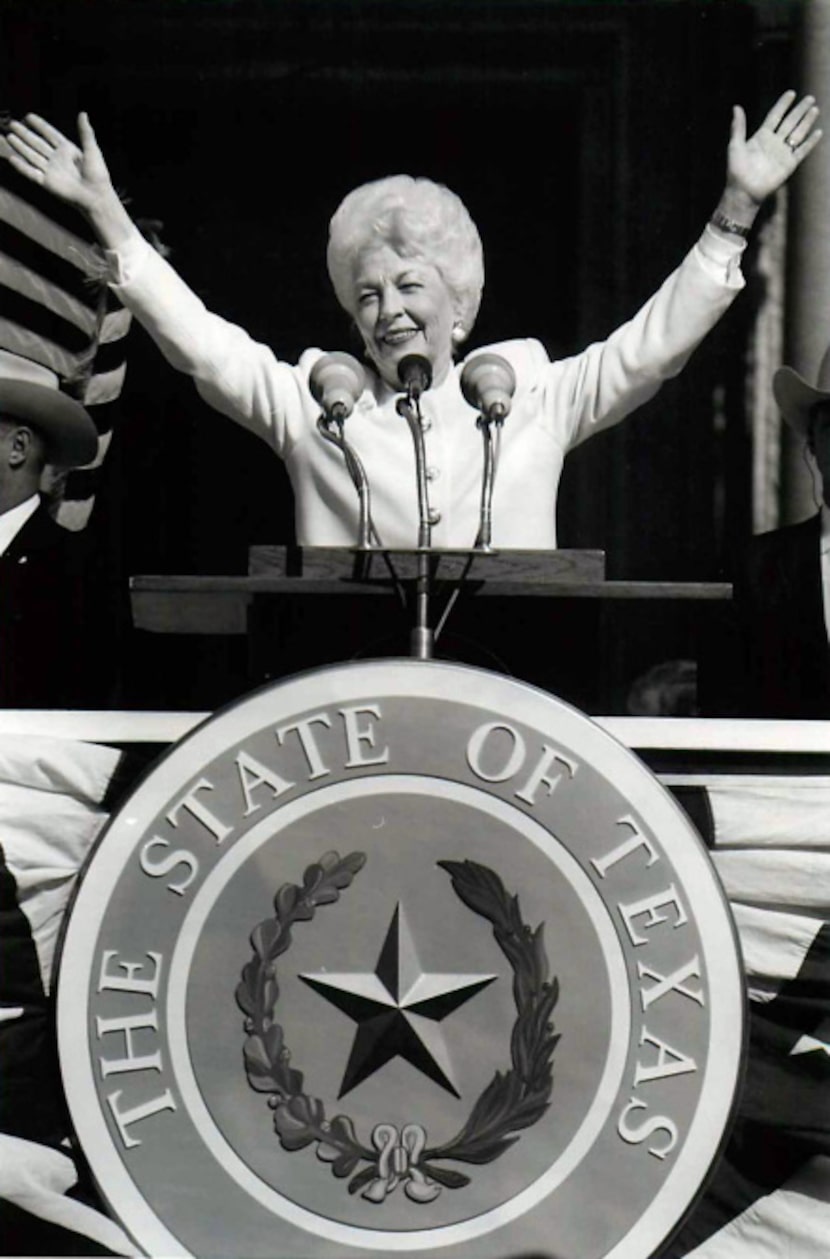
x=406, y=263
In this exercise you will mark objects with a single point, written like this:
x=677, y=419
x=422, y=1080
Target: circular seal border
x=477, y=689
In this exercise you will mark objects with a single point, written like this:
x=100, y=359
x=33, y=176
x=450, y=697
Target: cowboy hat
x=30, y=394
x=796, y=398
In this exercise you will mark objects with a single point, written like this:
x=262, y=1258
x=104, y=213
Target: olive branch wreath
x=514, y=1099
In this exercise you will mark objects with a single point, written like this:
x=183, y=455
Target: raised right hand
x=44, y=155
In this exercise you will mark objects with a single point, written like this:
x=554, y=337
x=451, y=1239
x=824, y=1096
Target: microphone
x=488, y=383
x=415, y=374
x=336, y=382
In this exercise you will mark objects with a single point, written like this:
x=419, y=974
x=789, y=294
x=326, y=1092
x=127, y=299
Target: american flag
x=55, y=795
x=770, y=1194
x=56, y=310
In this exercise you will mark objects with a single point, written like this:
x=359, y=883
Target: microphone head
x=488, y=383
x=336, y=382
x=415, y=374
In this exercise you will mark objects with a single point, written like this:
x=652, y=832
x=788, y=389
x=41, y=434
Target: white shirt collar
x=13, y=520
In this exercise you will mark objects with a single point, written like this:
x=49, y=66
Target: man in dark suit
x=49, y=598
x=782, y=582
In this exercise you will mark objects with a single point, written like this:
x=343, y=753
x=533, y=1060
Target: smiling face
x=402, y=306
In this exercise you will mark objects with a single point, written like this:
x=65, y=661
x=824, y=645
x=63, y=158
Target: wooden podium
x=305, y=607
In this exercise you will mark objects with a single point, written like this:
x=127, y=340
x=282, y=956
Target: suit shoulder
x=784, y=539
x=775, y=562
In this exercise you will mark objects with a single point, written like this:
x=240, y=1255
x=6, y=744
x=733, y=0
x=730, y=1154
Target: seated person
x=406, y=263
x=53, y=611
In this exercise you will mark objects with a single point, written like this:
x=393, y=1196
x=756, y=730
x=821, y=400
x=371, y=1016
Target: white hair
x=418, y=219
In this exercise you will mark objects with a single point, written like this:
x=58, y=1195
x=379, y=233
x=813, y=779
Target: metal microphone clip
x=415, y=374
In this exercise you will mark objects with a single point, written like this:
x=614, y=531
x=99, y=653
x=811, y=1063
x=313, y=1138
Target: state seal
x=400, y=956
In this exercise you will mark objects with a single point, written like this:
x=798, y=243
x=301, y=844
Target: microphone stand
x=365, y=529
x=485, y=530
x=488, y=383
x=368, y=538
x=483, y=542
x=422, y=639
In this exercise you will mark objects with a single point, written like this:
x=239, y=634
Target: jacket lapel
x=38, y=534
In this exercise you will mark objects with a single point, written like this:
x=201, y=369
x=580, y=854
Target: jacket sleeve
x=610, y=379
x=235, y=374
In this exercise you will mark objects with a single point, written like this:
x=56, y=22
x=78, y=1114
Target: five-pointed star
x=396, y=1008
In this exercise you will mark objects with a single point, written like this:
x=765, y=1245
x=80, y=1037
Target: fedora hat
x=796, y=398
x=29, y=393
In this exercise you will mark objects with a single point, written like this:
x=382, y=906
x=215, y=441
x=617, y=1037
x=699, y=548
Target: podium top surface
x=217, y=604
x=354, y=565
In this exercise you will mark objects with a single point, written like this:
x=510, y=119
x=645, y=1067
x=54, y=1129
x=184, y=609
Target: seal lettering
x=516, y=757
x=166, y=865
x=649, y=906
x=635, y=1135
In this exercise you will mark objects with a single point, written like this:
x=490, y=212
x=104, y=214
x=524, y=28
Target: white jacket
x=557, y=405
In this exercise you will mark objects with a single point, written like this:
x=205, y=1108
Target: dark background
x=588, y=141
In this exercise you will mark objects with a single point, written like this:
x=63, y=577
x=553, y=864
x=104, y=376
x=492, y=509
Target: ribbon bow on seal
x=398, y=1161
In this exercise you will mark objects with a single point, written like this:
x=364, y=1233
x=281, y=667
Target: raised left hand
x=758, y=166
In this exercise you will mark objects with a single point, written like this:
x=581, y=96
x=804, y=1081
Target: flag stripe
x=57, y=310
x=74, y=513
x=39, y=349
x=774, y=944
x=694, y=799
x=87, y=477
x=104, y=414
x=793, y=1223
x=32, y=256
x=103, y=388
x=37, y=1179
x=773, y=878
x=116, y=325
x=756, y=816
x=30, y=1100
x=27, y=284
x=66, y=244
x=42, y=322
x=109, y=356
